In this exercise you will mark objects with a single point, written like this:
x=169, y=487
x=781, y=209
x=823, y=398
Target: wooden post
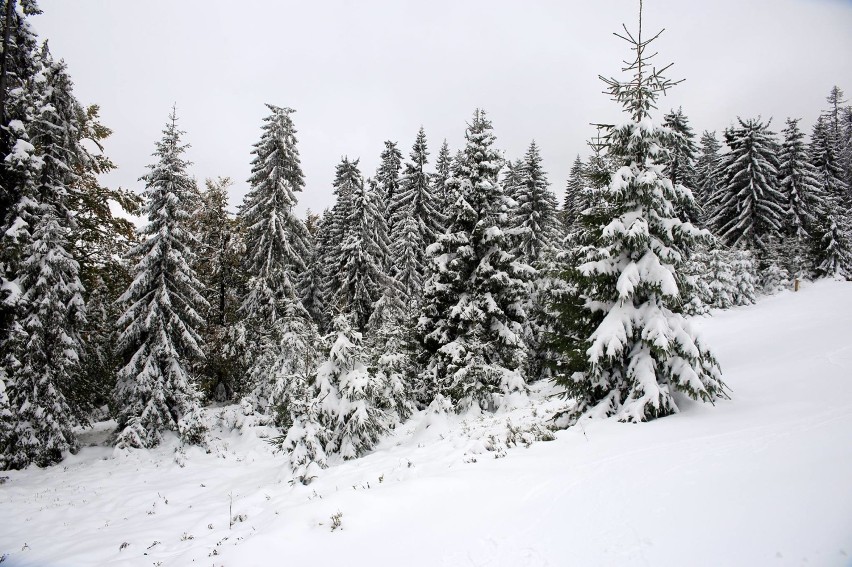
x=796, y=284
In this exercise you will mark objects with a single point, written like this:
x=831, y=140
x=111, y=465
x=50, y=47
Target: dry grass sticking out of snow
x=763, y=479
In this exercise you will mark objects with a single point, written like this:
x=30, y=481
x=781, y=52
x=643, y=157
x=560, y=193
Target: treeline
x=451, y=286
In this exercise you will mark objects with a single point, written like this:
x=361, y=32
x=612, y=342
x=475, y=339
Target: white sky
x=361, y=72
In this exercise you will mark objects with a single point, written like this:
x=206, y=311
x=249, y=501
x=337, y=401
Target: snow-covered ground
x=763, y=479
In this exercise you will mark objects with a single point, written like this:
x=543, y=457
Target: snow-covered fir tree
x=46, y=348
x=276, y=240
x=159, y=330
x=312, y=285
x=825, y=158
x=350, y=395
x=416, y=221
x=748, y=207
x=347, y=178
x=472, y=323
x=833, y=247
x=535, y=231
x=16, y=153
x=443, y=163
x=573, y=203
x=218, y=262
x=277, y=246
x=388, y=179
x=534, y=214
x=680, y=162
x=707, y=173
x=805, y=203
x=511, y=178
x=390, y=338
x=364, y=253
x=846, y=145
x=642, y=349
x=306, y=438
x=834, y=255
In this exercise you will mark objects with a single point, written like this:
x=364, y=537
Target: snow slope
x=764, y=479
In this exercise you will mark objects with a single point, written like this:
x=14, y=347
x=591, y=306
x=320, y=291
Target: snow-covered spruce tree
x=707, y=173
x=824, y=157
x=365, y=255
x=350, y=395
x=832, y=238
x=277, y=247
x=390, y=337
x=306, y=437
x=347, y=178
x=472, y=322
x=276, y=240
x=47, y=348
x=443, y=163
x=534, y=215
x=573, y=202
x=16, y=74
x=312, y=284
x=745, y=283
x=217, y=262
x=18, y=69
x=834, y=115
x=408, y=252
x=159, y=330
x=417, y=223
x=642, y=349
x=680, y=162
x=388, y=179
x=846, y=145
x=535, y=229
x=800, y=185
x=721, y=274
x=834, y=257
x=748, y=208
x=511, y=178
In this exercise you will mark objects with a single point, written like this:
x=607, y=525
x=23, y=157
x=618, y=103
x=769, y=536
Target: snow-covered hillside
x=763, y=479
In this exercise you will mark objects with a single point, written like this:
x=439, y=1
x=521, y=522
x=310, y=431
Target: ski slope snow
x=762, y=479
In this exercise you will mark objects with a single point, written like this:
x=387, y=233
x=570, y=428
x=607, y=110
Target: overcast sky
x=361, y=72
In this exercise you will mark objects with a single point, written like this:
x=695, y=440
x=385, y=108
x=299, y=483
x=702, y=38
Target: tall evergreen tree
x=17, y=73
x=472, y=322
x=846, y=145
x=347, y=178
x=825, y=158
x=417, y=222
x=440, y=177
x=511, y=178
x=535, y=211
x=573, y=202
x=364, y=253
x=217, y=262
x=680, y=162
x=834, y=114
x=834, y=251
x=707, y=174
x=51, y=311
x=312, y=285
x=388, y=179
x=277, y=241
x=641, y=349
x=159, y=330
x=748, y=208
x=805, y=203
